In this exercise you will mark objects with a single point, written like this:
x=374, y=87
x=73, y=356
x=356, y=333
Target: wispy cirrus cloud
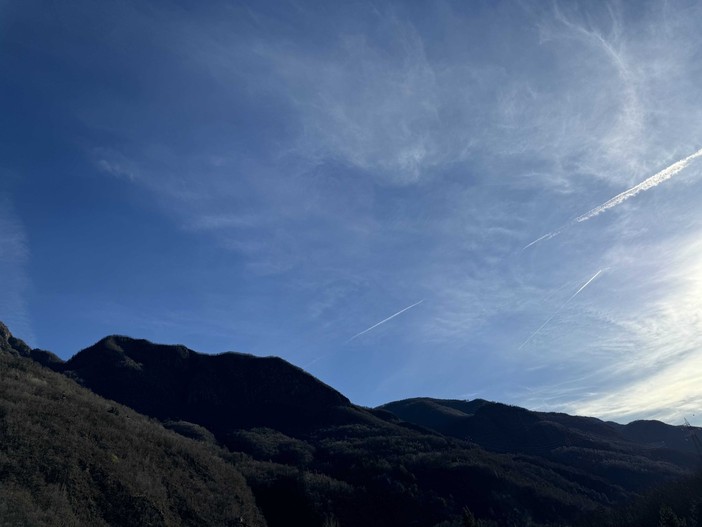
x=609, y=110
x=114, y=163
x=643, y=359
x=373, y=105
x=14, y=280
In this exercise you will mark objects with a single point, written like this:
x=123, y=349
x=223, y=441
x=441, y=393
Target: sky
x=494, y=199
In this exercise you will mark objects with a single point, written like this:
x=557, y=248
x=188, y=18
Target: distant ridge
x=503, y=428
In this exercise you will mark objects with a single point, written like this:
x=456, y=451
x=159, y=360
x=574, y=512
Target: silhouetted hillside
x=509, y=428
x=678, y=504
x=220, y=392
x=633, y=456
x=18, y=348
x=70, y=457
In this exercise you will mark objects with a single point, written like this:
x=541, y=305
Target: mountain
x=223, y=392
x=629, y=455
x=14, y=346
x=70, y=457
x=311, y=457
x=502, y=427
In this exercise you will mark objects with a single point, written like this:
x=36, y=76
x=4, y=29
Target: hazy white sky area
x=450, y=199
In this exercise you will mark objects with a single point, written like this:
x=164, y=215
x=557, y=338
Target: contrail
x=598, y=273
x=564, y=304
x=646, y=184
x=549, y=235
x=649, y=183
x=383, y=321
x=316, y=359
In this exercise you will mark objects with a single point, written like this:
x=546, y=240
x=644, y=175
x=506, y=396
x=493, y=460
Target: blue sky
x=277, y=178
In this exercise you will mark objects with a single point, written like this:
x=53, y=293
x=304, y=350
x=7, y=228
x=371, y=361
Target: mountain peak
x=14, y=346
x=5, y=337
x=221, y=392
x=4, y=332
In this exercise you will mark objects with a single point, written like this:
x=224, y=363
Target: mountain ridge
x=224, y=391
x=451, y=415
x=312, y=455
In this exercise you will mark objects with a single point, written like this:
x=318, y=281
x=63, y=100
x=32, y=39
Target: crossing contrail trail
x=383, y=321
x=564, y=304
x=646, y=184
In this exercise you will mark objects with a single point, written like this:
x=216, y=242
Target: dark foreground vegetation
x=238, y=440
x=677, y=504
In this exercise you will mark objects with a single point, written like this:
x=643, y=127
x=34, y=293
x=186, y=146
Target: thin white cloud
x=666, y=389
x=622, y=104
x=629, y=122
x=14, y=281
x=13, y=239
x=114, y=163
x=376, y=110
x=637, y=355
